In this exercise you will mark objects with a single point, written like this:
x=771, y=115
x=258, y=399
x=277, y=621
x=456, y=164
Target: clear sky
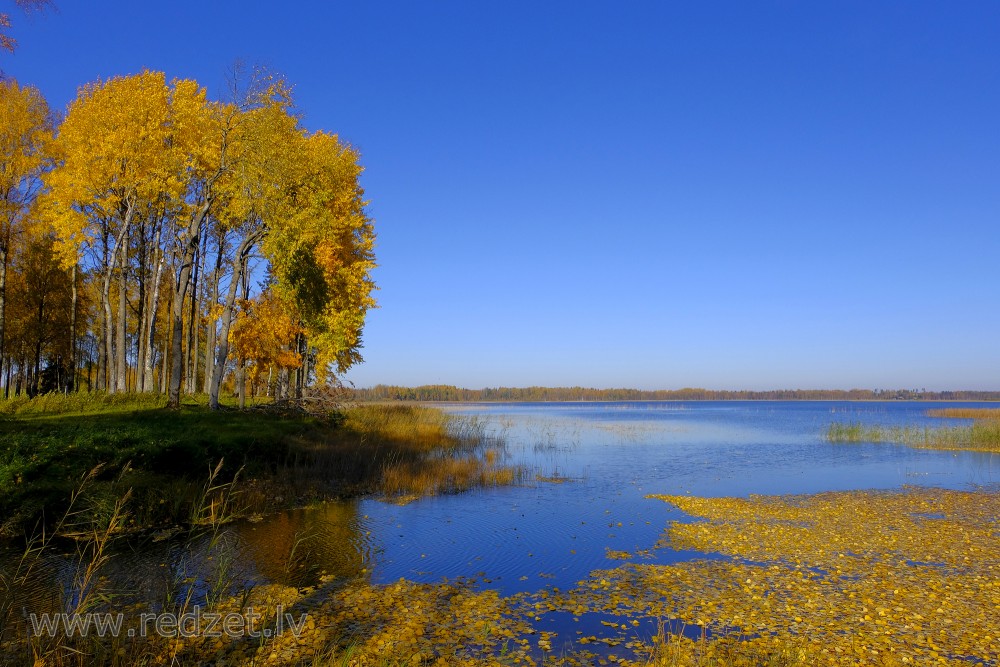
x=733, y=195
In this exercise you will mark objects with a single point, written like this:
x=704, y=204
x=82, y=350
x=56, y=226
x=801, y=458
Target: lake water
x=612, y=455
x=606, y=457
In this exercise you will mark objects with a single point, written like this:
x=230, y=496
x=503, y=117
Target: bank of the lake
x=583, y=561
x=178, y=464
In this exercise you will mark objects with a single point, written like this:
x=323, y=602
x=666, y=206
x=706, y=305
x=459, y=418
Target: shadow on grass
x=164, y=456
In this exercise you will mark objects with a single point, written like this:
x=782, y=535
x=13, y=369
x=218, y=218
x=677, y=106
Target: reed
x=93, y=527
x=672, y=648
x=965, y=413
x=982, y=435
x=400, y=451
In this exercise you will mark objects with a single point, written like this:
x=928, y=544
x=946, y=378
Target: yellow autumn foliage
x=25, y=134
x=263, y=332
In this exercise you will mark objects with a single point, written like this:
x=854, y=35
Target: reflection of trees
x=297, y=546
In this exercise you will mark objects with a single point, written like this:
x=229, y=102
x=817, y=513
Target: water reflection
x=298, y=546
x=523, y=538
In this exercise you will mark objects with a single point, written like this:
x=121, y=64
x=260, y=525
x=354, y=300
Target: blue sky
x=645, y=194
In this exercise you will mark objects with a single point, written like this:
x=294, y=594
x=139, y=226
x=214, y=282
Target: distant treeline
x=384, y=392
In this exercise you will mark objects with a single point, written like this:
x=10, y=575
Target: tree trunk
x=154, y=307
x=71, y=382
x=210, y=334
x=4, y=256
x=107, y=351
x=239, y=265
x=241, y=364
x=102, y=361
x=141, y=305
x=110, y=372
x=191, y=362
x=281, y=393
x=300, y=372
x=191, y=238
x=121, y=348
x=163, y=367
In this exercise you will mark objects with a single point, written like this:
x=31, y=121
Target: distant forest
x=450, y=393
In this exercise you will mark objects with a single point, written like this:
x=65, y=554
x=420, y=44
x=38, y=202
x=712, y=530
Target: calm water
x=611, y=456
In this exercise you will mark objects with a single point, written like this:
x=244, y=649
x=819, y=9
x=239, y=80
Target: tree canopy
x=195, y=227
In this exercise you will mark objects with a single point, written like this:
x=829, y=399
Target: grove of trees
x=157, y=240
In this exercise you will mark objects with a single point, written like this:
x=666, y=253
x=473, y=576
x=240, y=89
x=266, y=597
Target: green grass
x=89, y=403
x=48, y=444
x=982, y=435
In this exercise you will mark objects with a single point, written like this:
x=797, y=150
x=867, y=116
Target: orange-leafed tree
x=263, y=336
x=43, y=305
x=25, y=135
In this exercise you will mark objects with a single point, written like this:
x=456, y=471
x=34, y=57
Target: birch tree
x=25, y=132
x=115, y=156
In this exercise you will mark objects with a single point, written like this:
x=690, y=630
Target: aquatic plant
x=965, y=413
x=982, y=435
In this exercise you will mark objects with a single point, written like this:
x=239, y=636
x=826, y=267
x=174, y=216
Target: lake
x=589, y=468
x=611, y=455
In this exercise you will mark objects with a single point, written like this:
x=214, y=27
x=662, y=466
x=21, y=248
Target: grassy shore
x=163, y=458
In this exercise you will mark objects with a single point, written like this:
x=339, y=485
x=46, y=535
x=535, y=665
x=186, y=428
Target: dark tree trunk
x=191, y=238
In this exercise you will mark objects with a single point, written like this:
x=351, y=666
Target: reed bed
x=403, y=451
x=965, y=413
x=982, y=435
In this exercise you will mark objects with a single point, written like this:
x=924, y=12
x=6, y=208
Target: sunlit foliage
x=263, y=334
x=172, y=209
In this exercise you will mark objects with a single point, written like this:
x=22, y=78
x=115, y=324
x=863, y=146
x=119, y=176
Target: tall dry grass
x=965, y=413
x=397, y=450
